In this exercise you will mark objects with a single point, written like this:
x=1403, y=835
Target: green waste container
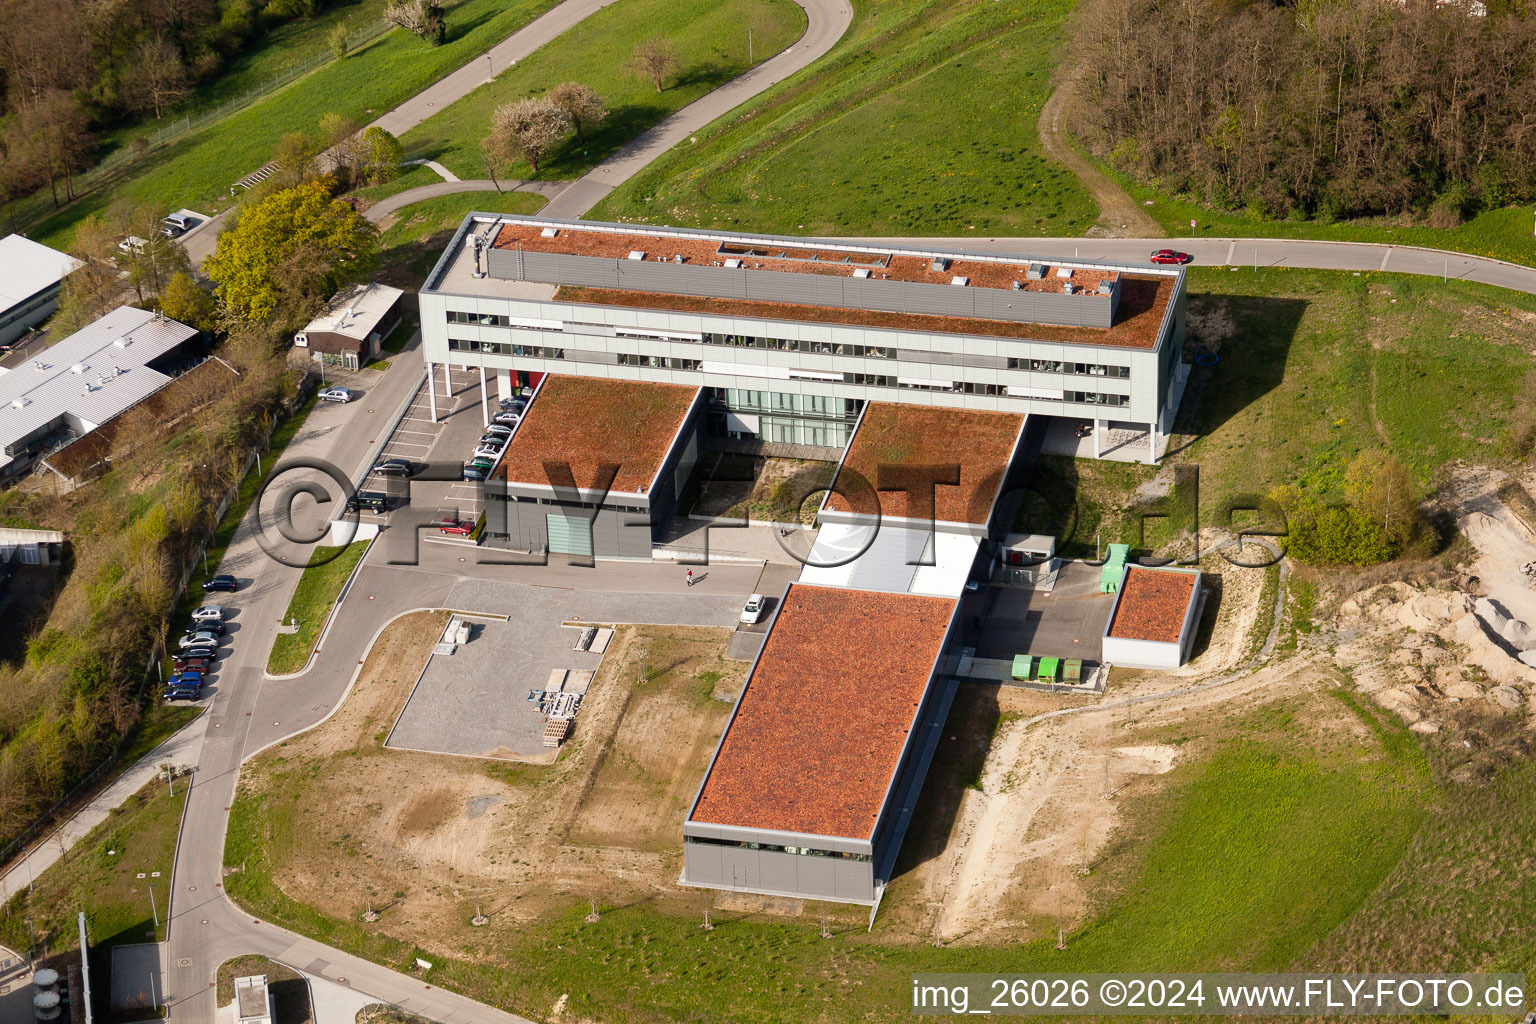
x=1072, y=670
x=1022, y=665
x=1048, y=669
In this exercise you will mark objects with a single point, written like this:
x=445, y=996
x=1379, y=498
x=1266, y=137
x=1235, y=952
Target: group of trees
x=342, y=148
x=1325, y=108
x=529, y=129
x=1379, y=519
x=423, y=19
x=69, y=68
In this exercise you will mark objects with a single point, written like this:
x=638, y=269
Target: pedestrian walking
x=690, y=577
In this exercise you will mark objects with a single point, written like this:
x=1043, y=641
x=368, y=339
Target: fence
x=28, y=211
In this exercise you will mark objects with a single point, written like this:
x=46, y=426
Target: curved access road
x=1258, y=252
x=389, y=204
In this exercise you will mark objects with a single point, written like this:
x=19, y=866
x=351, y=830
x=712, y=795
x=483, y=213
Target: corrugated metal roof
x=356, y=311
x=93, y=374
x=27, y=267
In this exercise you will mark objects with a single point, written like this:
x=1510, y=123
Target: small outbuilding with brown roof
x=1153, y=621
x=595, y=467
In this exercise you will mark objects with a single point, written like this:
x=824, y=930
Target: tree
x=181, y=299
x=581, y=104
x=525, y=130
x=49, y=141
x=340, y=141
x=653, y=60
x=382, y=154
x=94, y=288
x=338, y=40
x=254, y=263
x=422, y=18
x=294, y=156
x=1378, y=485
x=154, y=258
x=156, y=78
x=294, y=8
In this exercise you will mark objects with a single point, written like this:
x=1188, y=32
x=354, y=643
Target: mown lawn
x=311, y=603
x=921, y=121
x=710, y=37
x=1246, y=859
x=1316, y=366
x=198, y=170
x=1502, y=234
x=141, y=836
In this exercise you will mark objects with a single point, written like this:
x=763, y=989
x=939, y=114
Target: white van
x=176, y=225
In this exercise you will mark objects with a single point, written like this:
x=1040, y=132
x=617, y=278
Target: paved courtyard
x=1068, y=622
x=474, y=702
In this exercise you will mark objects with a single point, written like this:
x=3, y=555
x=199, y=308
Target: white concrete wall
x=1141, y=653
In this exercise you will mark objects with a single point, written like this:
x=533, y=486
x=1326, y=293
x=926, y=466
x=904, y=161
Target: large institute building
x=645, y=345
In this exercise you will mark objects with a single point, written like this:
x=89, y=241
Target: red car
x=461, y=527
x=1171, y=256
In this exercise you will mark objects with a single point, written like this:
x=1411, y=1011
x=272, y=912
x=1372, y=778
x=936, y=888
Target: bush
x=1321, y=534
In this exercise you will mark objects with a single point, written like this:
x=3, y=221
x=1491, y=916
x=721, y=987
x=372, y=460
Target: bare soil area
x=423, y=839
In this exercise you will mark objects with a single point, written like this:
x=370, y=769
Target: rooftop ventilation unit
x=861, y=272
x=123, y=342
x=679, y=258
x=1064, y=272
x=939, y=263
x=1018, y=286
x=961, y=281
x=1068, y=288
x=732, y=264
x=20, y=403
x=38, y=364
x=1035, y=271
x=1106, y=287
x=78, y=368
x=636, y=254
x=549, y=233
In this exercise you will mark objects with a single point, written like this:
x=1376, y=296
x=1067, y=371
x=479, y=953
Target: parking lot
x=475, y=701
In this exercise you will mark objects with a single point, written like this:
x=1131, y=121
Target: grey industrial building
x=789, y=338
x=31, y=275
x=596, y=467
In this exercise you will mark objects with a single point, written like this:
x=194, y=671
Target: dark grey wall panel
x=1082, y=310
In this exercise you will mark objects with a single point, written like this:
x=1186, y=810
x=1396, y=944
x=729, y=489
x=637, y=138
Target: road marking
x=1385, y=256
x=1231, y=249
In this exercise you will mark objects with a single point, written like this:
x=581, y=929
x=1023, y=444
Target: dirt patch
x=1119, y=216
x=421, y=839
x=762, y=489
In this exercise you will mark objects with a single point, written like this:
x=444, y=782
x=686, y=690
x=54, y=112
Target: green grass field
x=198, y=170
x=1204, y=874
x=1502, y=234
x=1317, y=366
x=105, y=884
x=311, y=603
x=710, y=37
x=921, y=121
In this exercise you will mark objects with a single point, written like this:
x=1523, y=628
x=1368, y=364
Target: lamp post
x=153, y=910
x=490, y=70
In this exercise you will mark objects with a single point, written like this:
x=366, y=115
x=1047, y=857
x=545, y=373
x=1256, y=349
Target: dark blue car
x=182, y=691
x=222, y=582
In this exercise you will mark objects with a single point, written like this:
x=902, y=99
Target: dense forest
x=1318, y=108
x=69, y=68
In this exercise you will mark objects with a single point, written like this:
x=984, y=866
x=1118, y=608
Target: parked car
x=472, y=472
x=394, y=467
x=202, y=666
x=507, y=419
x=216, y=627
x=335, y=395
x=484, y=462
x=1171, y=256
x=517, y=403
x=182, y=691
x=133, y=245
x=752, y=611
x=208, y=652
x=201, y=638
x=208, y=613
x=223, y=581
x=458, y=527
x=175, y=225
x=497, y=430
x=369, y=501
x=488, y=451
x=186, y=677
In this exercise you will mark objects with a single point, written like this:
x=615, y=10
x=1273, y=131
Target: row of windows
x=662, y=362
x=825, y=406
x=801, y=345
x=499, y=348
x=879, y=380
x=495, y=490
x=1056, y=366
x=804, y=851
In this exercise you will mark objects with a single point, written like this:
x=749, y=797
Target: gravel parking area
x=474, y=702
